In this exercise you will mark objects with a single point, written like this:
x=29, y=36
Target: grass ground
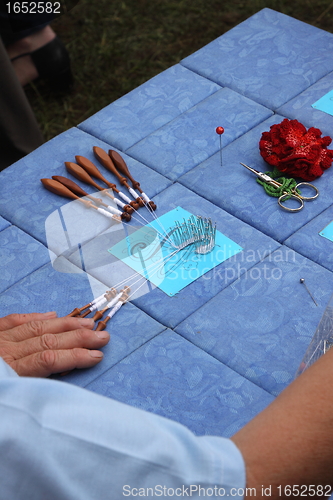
x=117, y=45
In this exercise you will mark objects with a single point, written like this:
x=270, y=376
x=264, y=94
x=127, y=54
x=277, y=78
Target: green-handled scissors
x=287, y=195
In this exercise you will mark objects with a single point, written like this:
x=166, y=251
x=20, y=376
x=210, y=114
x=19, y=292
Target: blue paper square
x=325, y=103
x=327, y=232
x=149, y=253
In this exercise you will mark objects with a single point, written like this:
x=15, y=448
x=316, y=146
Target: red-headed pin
x=220, y=131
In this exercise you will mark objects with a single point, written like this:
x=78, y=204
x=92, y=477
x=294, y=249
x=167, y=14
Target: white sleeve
x=58, y=441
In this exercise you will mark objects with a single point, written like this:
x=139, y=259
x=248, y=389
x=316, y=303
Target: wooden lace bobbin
x=76, y=189
x=123, y=168
x=78, y=310
x=100, y=302
x=105, y=160
x=61, y=190
x=99, y=314
x=108, y=295
x=109, y=305
x=57, y=188
x=91, y=169
x=83, y=176
x=122, y=299
x=80, y=192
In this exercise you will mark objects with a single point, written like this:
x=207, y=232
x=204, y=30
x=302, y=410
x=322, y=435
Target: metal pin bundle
x=197, y=231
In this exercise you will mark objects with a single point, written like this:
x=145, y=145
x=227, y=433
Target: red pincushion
x=296, y=151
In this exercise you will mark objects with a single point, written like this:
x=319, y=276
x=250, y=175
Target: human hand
x=38, y=345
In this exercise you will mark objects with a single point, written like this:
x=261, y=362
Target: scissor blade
x=250, y=168
x=262, y=176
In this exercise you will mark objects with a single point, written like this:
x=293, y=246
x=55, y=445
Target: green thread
x=287, y=185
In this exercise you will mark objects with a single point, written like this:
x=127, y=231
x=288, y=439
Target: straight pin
x=220, y=131
x=302, y=281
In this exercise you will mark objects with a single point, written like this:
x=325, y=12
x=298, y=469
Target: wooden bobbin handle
x=89, y=167
x=126, y=290
x=78, y=310
x=81, y=174
x=98, y=314
x=105, y=160
x=152, y=205
x=75, y=312
x=71, y=185
x=129, y=209
x=75, y=188
x=123, y=168
x=61, y=190
x=110, y=294
x=126, y=216
x=121, y=165
x=102, y=324
x=84, y=314
x=58, y=188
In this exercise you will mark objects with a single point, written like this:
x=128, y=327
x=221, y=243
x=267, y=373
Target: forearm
x=291, y=441
x=64, y=442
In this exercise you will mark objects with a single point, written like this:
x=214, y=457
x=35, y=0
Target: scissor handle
x=287, y=196
x=307, y=184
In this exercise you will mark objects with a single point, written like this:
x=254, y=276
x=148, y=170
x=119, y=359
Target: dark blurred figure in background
x=29, y=50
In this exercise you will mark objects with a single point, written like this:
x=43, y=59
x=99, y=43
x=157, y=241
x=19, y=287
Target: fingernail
x=50, y=314
x=102, y=334
x=87, y=322
x=96, y=354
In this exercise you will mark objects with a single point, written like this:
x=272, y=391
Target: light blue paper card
x=325, y=103
x=150, y=254
x=327, y=232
